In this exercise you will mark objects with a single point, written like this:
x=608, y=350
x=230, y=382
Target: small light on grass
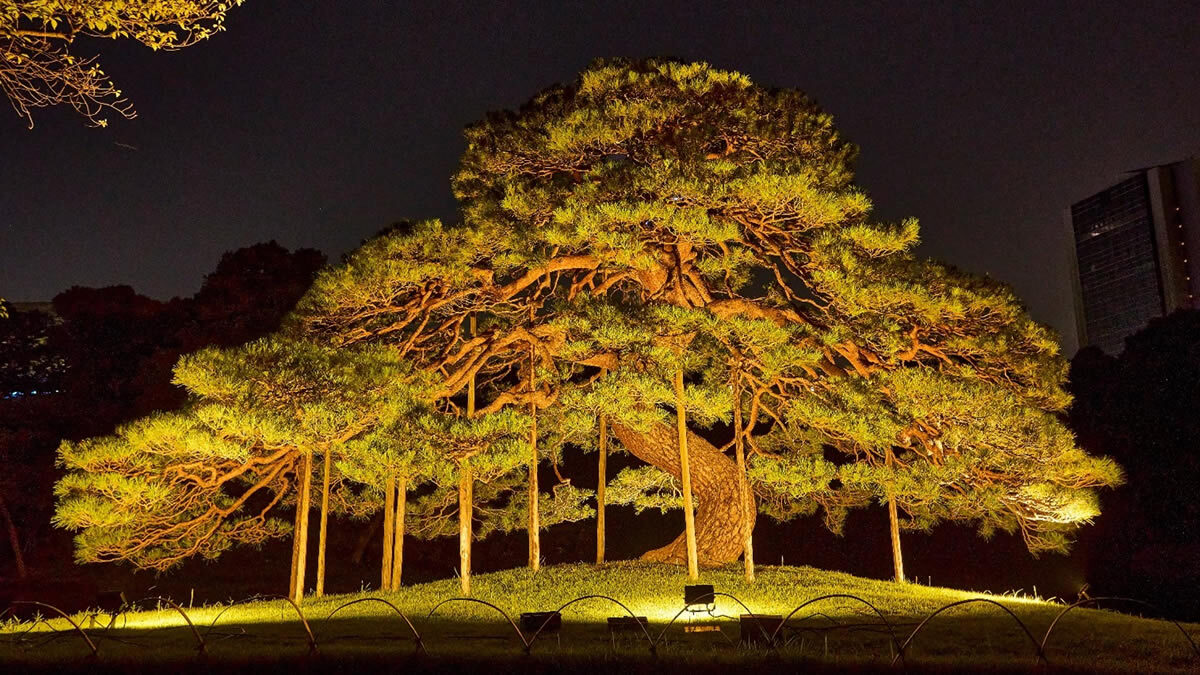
x=761, y=629
x=547, y=622
x=699, y=594
x=626, y=626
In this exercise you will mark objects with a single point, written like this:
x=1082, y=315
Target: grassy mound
x=835, y=632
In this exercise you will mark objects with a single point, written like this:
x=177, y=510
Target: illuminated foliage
x=38, y=67
x=198, y=481
x=654, y=218
x=659, y=214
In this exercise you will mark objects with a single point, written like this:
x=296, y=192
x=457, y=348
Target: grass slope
x=834, y=633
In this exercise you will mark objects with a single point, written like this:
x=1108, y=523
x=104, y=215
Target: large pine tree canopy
x=652, y=217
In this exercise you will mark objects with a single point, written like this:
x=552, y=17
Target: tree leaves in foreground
x=40, y=67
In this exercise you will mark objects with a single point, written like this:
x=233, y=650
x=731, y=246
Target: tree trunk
x=685, y=472
x=321, y=537
x=722, y=524
x=466, y=499
x=389, y=531
x=398, y=537
x=535, y=526
x=304, y=504
x=14, y=540
x=743, y=480
x=601, y=484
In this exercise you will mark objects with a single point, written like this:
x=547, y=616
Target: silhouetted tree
x=106, y=357
x=1141, y=409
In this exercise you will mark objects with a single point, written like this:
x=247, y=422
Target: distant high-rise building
x=1137, y=252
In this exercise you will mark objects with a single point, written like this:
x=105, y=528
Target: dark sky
x=317, y=123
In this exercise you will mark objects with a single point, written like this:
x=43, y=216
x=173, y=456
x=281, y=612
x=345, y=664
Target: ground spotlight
x=761, y=629
x=699, y=595
x=547, y=622
x=626, y=626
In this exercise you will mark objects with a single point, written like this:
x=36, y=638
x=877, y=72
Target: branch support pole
x=466, y=497
x=398, y=528
x=303, y=505
x=689, y=515
x=743, y=479
x=535, y=526
x=601, y=484
x=894, y=523
x=324, y=524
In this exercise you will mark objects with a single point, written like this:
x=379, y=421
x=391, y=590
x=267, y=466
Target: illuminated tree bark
x=721, y=521
x=324, y=526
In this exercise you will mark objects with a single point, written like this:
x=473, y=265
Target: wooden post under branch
x=389, y=530
x=295, y=533
x=304, y=503
x=535, y=526
x=743, y=480
x=398, y=536
x=601, y=484
x=689, y=515
x=894, y=522
x=466, y=496
x=465, y=500
x=322, y=537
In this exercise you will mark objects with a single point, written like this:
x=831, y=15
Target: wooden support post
x=389, y=531
x=743, y=480
x=398, y=537
x=466, y=497
x=894, y=522
x=534, y=524
x=322, y=536
x=601, y=485
x=689, y=514
x=304, y=504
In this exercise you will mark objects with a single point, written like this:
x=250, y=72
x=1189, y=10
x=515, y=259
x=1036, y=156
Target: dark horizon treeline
x=1142, y=408
x=105, y=357
x=102, y=357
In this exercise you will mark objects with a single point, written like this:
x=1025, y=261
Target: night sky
x=316, y=124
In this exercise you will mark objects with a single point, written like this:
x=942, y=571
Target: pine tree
x=664, y=246
x=652, y=202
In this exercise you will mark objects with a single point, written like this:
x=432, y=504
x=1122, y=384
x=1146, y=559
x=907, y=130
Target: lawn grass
x=837, y=633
